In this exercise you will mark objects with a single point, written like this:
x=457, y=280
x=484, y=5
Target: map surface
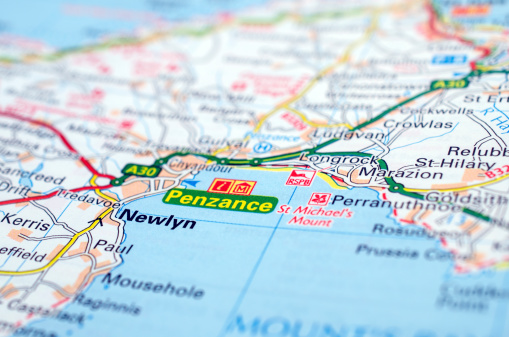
x=254, y=168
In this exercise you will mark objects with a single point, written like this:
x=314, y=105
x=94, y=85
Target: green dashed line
x=394, y=186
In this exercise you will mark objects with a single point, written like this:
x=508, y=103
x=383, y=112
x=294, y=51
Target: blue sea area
x=57, y=22
x=264, y=277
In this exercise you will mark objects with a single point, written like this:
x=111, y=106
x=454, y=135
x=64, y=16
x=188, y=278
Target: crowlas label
x=227, y=202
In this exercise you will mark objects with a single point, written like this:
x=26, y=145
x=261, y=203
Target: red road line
x=40, y=123
x=62, y=301
x=15, y=201
x=433, y=19
x=52, y=194
x=62, y=138
x=79, y=189
x=93, y=170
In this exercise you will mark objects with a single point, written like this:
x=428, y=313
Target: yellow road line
x=308, y=122
x=457, y=189
x=345, y=58
x=496, y=66
x=99, y=192
x=70, y=243
x=332, y=183
x=258, y=126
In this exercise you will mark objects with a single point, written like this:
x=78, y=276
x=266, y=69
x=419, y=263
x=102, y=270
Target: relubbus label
x=227, y=202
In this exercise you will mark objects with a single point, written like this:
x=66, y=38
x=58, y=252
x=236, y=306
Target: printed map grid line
x=245, y=289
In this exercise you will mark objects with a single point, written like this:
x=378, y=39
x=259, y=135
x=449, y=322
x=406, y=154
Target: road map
x=254, y=168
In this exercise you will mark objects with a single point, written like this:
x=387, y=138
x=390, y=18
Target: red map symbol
x=319, y=198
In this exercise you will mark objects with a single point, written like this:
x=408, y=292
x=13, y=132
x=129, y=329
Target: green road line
x=476, y=214
x=386, y=112
x=394, y=187
x=283, y=157
x=6, y=59
x=194, y=32
x=344, y=154
x=382, y=164
x=268, y=21
x=181, y=31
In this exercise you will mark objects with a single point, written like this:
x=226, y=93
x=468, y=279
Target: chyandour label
x=227, y=202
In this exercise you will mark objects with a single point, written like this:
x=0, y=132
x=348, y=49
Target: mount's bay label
x=227, y=202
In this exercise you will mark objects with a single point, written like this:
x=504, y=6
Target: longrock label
x=227, y=202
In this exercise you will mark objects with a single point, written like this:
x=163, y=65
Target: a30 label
x=141, y=170
x=449, y=84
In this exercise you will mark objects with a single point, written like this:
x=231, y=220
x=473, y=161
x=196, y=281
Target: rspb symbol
x=301, y=178
x=319, y=199
x=231, y=186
